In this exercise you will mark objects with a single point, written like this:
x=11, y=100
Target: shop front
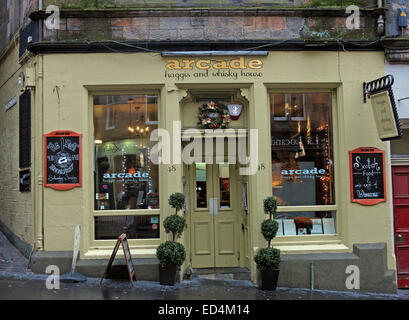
x=292, y=119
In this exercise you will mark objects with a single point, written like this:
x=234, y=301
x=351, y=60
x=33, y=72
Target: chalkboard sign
x=62, y=160
x=367, y=174
x=122, y=240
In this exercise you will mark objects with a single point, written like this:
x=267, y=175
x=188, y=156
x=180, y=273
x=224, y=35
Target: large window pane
x=125, y=178
x=302, y=149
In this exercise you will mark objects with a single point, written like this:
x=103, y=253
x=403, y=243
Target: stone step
x=145, y=268
x=222, y=273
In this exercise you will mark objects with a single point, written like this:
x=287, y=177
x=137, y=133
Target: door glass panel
x=201, y=185
x=224, y=185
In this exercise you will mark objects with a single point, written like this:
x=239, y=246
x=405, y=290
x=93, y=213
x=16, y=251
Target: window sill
x=313, y=248
x=106, y=253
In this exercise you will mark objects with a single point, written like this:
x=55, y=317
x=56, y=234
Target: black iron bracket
x=378, y=85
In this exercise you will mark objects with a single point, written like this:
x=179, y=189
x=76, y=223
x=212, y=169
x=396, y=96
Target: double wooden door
x=214, y=236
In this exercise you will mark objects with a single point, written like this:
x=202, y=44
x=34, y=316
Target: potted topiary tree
x=268, y=259
x=172, y=254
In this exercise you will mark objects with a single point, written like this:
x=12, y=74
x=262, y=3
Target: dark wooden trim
x=202, y=45
x=207, y=12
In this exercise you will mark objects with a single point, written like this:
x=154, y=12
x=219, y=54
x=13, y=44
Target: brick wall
x=15, y=206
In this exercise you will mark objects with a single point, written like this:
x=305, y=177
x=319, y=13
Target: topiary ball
x=270, y=205
x=171, y=252
x=174, y=224
x=177, y=201
x=269, y=229
x=267, y=258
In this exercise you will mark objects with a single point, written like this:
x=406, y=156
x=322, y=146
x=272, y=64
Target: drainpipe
x=38, y=193
x=381, y=22
x=312, y=275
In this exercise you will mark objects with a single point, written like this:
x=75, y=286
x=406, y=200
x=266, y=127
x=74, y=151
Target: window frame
x=316, y=238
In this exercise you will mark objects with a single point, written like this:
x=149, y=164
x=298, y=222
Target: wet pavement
x=196, y=289
x=19, y=283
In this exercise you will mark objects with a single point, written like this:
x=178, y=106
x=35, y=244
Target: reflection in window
x=301, y=149
x=125, y=178
x=224, y=185
x=305, y=223
x=201, y=186
x=135, y=227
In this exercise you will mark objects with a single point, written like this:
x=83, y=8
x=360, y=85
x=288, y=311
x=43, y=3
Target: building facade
x=99, y=96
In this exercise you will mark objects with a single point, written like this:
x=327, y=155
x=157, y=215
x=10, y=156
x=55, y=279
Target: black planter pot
x=167, y=275
x=269, y=279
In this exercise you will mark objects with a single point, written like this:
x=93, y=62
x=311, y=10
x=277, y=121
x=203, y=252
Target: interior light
x=98, y=141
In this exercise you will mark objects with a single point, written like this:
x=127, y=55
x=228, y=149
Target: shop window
x=135, y=227
x=302, y=156
x=125, y=178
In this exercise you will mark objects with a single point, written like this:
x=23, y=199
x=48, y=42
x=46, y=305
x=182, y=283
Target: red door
x=400, y=182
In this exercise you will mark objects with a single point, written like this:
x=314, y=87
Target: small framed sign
x=385, y=115
x=384, y=107
x=62, y=160
x=25, y=180
x=367, y=175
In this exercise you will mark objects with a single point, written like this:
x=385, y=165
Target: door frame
x=402, y=278
x=190, y=180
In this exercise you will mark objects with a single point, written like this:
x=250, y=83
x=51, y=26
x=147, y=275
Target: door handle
x=211, y=205
x=400, y=238
x=215, y=206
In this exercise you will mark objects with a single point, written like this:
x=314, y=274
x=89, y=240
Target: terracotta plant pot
x=167, y=275
x=269, y=279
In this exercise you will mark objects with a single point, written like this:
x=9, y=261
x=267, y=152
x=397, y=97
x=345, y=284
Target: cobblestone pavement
x=17, y=282
x=11, y=260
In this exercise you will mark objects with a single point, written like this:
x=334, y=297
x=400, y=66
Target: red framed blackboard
x=367, y=175
x=62, y=160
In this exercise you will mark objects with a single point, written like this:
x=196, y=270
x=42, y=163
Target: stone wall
x=204, y=24
x=103, y=4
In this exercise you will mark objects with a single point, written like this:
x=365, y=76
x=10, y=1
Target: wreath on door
x=213, y=115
